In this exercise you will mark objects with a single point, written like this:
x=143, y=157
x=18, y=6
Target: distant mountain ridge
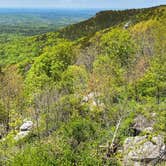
x=106, y=19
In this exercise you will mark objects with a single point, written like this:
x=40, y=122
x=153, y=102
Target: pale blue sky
x=79, y=3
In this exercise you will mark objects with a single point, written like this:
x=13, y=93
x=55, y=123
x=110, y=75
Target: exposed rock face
x=25, y=129
x=141, y=123
x=140, y=151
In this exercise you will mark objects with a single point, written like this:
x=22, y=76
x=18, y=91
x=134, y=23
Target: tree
x=119, y=46
x=74, y=80
x=11, y=94
x=48, y=68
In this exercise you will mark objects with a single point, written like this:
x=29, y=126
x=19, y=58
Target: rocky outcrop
x=143, y=124
x=25, y=129
x=143, y=151
x=26, y=126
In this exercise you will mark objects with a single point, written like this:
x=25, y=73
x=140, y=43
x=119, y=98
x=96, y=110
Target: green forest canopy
x=48, y=77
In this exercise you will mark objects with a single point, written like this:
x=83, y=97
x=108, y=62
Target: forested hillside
x=90, y=94
x=106, y=19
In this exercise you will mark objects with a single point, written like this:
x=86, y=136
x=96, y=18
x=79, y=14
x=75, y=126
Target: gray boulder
x=25, y=129
x=141, y=123
x=26, y=126
x=141, y=150
x=21, y=135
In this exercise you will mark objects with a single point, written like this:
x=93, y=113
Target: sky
x=110, y=4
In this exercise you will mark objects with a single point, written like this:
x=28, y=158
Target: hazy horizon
x=79, y=4
x=61, y=8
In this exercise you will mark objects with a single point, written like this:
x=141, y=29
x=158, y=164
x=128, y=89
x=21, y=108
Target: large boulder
x=141, y=150
x=141, y=123
x=26, y=126
x=25, y=129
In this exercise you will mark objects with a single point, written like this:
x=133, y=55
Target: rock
x=21, y=135
x=153, y=115
x=85, y=99
x=90, y=96
x=148, y=130
x=140, y=150
x=94, y=103
x=27, y=125
x=25, y=129
x=141, y=123
x=126, y=26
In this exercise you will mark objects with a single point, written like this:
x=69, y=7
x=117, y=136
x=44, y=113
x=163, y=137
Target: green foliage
x=35, y=156
x=74, y=79
x=82, y=96
x=107, y=19
x=49, y=67
x=118, y=44
x=81, y=131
